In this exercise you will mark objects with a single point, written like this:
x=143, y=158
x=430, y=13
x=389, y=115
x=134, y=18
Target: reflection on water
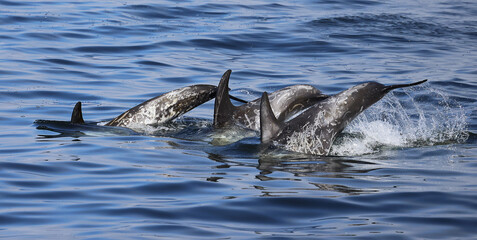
x=315, y=169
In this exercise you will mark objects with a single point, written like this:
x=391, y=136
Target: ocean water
x=404, y=169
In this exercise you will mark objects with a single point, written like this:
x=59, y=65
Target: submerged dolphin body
x=77, y=127
x=285, y=103
x=314, y=130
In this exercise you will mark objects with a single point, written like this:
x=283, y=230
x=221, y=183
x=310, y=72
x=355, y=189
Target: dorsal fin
x=77, y=115
x=269, y=125
x=389, y=88
x=223, y=108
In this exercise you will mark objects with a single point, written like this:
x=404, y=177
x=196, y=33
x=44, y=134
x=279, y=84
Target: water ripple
x=114, y=49
x=411, y=164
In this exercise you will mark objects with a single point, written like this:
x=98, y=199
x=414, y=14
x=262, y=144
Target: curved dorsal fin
x=77, y=115
x=269, y=125
x=223, y=107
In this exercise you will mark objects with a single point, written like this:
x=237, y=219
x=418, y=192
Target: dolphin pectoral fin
x=269, y=125
x=389, y=88
x=77, y=115
x=223, y=107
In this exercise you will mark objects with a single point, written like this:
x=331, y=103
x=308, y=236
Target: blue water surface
x=405, y=169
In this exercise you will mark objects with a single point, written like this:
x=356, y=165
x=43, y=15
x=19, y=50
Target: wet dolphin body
x=285, y=103
x=154, y=111
x=157, y=110
x=314, y=130
x=165, y=107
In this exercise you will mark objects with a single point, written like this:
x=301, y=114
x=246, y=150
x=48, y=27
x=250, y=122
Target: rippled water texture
x=404, y=169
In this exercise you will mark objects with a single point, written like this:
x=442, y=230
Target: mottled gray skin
x=285, y=103
x=166, y=107
x=314, y=130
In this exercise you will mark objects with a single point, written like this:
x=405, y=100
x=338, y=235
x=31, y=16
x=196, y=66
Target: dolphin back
x=165, y=107
x=285, y=103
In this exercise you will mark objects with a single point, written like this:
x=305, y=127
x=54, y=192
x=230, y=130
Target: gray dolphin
x=314, y=130
x=165, y=107
x=285, y=103
x=160, y=109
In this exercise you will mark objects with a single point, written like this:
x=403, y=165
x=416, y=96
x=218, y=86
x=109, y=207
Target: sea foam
x=413, y=117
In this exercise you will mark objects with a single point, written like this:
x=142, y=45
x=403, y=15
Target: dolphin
x=155, y=111
x=165, y=107
x=314, y=130
x=285, y=103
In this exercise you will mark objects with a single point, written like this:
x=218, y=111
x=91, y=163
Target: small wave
x=378, y=26
x=422, y=116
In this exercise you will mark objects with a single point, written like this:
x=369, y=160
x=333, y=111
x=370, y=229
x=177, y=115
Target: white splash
x=404, y=122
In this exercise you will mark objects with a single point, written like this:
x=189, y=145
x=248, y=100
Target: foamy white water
x=411, y=120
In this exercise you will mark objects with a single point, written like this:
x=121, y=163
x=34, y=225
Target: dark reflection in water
x=315, y=169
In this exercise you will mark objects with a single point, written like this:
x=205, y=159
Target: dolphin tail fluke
x=77, y=115
x=269, y=125
x=392, y=87
x=223, y=107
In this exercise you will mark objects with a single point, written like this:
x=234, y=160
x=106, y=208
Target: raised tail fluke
x=77, y=115
x=269, y=125
x=392, y=87
x=223, y=107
